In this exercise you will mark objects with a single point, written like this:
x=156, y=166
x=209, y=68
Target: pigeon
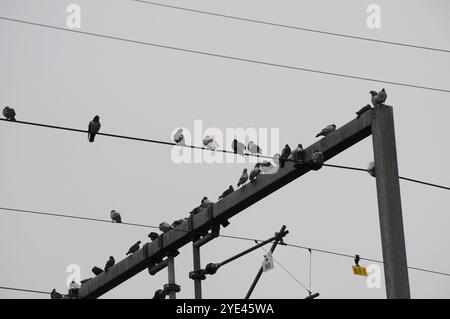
x=253, y=148
x=97, y=271
x=266, y=166
x=371, y=169
x=255, y=172
x=243, y=179
x=196, y=210
x=55, y=295
x=179, y=137
x=363, y=110
x=238, y=147
x=276, y=159
x=327, y=130
x=160, y=294
x=134, y=248
x=115, y=216
x=357, y=258
x=297, y=154
x=178, y=222
x=153, y=236
x=94, y=127
x=205, y=202
x=378, y=98
x=164, y=227
x=227, y=192
x=284, y=155
x=9, y=113
x=210, y=142
x=111, y=262
x=85, y=281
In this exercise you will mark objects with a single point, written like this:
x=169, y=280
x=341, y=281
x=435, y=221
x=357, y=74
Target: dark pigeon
x=134, y=248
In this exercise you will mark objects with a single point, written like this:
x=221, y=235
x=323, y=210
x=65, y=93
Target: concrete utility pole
x=379, y=122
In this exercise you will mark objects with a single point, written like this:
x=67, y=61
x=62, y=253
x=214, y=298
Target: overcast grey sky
x=65, y=79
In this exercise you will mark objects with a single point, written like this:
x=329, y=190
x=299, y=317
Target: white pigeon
x=253, y=148
x=210, y=142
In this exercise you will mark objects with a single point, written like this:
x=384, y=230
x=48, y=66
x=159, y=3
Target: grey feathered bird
x=244, y=178
x=378, y=98
x=265, y=166
x=115, y=216
x=227, y=192
x=284, y=155
x=134, y=248
x=357, y=258
x=97, y=271
x=153, y=236
x=205, y=202
x=327, y=130
x=255, y=172
x=94, y=127
x=297, y=153
x=55, y=295
x=253, y=148
x=210, y=142
x=111, y=262
x=164, y=227
x=363, y=110
x=85, y=281
x=238, y=147
x=179, y=137
x=9, y=113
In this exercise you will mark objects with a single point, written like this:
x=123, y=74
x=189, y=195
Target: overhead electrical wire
x=280, y=25
x=206, y=149
x=25, y=290
x=228, y=57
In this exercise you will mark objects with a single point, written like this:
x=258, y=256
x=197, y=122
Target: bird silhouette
x=378, y=98
x=327, y=130
x=357, y=258
x=55, y=295
x=153, y=236
x=253, y=148
x=9, y=113
x=115, y=216
x=363, y=110
x=97, y=271
x=111, y=262
x=238, y=147
x=243, y=179
x=227, y=192
x=94, y=127
x=255, y=172
x=179, y=137
x=284, y=155
x=205, y=202
x=134, y=248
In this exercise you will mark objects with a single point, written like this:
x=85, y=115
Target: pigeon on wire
x=153, y=236
x=371, y=169
x=210, y=143
x=179, y=137
x=255, y=172
x=55, y=295
x=164, y=227
x=227, y=192
x=357, y=259
x=115, y=216
x=9, y=113
x=238, y=147
x=94, y=127
x=378, y=98
x=111, y=262
x=327, y=130
x=244, y=178
x=205, y=202
x=97, y=271
x=363, y=110
x=253, y=148
x=284, y=155
x=134, y=248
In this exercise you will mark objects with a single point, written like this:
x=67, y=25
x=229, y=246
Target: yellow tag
x=359, y=271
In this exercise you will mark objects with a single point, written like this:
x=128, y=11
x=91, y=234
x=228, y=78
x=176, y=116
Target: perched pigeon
x=255, y=172
x=178, y=222
x=55, y=295
x=97, y=271
x=357, y=258
x=115, y=216
x=9, y=113
x=243, y=179
x=363, y=110
x=134, y=248
x=164, y=227
x=327, y=130
x=94, y=127
x=179, y=137
x=371, y=169
x=196, y=210
x=205, y=202
x=210, y=142
x=238, y=147
x=85, y=281
x=227, y=192
x=111, y=262
x=266, y=166
x=378, y=98
x=153, y=236
x=160, y=294
x=297, y=154
x=253, y=148
x=276, y=159
x=284, y=155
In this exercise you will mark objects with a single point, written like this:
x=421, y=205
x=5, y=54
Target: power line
x=292, y=27
x=204, y=53
x=25, y=290
x=330, y=252
x=206, y=149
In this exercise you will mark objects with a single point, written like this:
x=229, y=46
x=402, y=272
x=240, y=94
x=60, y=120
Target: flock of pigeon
x=238, y=148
